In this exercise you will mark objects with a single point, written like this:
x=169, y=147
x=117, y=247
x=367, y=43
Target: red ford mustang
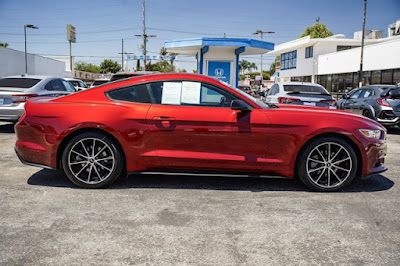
x=193, y=123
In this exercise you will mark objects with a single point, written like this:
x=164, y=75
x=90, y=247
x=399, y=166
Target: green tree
x=162, y=66
x=244, y=65
x=88, y=67
x=3, y=44
x=318, y=30
x=272, y=68
x=172, y=56
x=253, y=66
x=110, y=66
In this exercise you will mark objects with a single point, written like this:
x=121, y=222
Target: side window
x=366, y=93
x=82, y=85
x=274, y=89
x=69, y=86
x=55, y=85
x=189, y=93
x=355, y=94
x=136, y=94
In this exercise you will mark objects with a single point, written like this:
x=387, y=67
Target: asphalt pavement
x=189, y=220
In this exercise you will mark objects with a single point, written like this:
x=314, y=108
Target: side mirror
x=345, y=96
x=240, y=105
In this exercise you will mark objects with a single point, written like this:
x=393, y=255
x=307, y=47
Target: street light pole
x=360, y=74
x=262, y=34
x=26, y=55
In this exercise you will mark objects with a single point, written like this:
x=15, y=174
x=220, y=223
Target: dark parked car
x=378, y=102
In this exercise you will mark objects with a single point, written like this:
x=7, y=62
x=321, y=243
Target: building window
x=277, y=63
x=345, y=47
x=289, y=60
x=387, y=76
x=309, y=51
x=376, y=77
x=396, y=76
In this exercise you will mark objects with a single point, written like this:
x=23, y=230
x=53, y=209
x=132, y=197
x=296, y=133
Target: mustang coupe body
x=193, y=123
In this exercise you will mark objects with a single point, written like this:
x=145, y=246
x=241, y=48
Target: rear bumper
x=11, y=113
x=32, y=163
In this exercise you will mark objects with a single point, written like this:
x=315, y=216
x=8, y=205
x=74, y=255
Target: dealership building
x=334, y=62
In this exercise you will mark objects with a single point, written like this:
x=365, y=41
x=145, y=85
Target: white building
x=334, y=62
x=12, y=62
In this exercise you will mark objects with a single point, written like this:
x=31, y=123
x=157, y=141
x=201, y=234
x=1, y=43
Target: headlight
x=371, y=133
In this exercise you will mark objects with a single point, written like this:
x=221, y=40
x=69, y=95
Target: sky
x=101, y=24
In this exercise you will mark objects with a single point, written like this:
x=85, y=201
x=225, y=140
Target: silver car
x=301, y=93
x=15, y=90
x=78, y=84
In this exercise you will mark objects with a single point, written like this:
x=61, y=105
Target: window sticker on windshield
x=171, y=93
x=191, y=92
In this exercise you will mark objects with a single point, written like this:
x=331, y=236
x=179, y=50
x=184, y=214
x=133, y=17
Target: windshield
x=124, y=76
x=304, y=89
x=248, y=96
x=23, y=83
x=99, y=82
x=75, y=82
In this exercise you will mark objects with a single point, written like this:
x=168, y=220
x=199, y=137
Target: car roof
x=74, y=79
x=32, y=77
x=136, y=72
x=298, y=83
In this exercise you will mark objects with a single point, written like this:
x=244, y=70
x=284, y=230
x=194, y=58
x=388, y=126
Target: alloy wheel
x=91, y=160
x=329, y=165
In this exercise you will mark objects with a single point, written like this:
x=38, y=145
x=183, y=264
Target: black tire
x=368, y=114
x=327, y=178
x=106, y=166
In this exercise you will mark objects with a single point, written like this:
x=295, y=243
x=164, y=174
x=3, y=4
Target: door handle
x=163, y=118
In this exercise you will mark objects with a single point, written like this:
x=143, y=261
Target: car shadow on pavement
x=53, y=178
x=7, y=128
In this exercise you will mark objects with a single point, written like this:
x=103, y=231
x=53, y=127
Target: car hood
x=330, y=114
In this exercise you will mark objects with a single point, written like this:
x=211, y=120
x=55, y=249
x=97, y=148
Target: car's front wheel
x=327, y=164
x=92, y=160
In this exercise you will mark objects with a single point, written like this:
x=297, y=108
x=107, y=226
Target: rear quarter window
x=136, y=94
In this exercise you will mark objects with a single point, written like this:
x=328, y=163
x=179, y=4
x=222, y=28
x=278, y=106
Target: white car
x=302, y=93
x=15, y=90
x=78, y=84
x=98, y=82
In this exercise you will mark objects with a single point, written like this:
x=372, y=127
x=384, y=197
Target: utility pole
x=360, y=74
x=122, y=56
x=262, y=34
x=144, y=35
x=26, y=55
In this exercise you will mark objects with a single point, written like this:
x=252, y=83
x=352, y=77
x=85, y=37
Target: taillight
x=287, y=100
x=20, y=98
x=330, y=102
x=383, y=102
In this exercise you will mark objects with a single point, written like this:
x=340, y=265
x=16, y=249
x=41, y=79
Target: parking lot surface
x=178, y=220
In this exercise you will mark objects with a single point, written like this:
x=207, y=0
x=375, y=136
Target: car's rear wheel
x=327, y=164
x=92, y=160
